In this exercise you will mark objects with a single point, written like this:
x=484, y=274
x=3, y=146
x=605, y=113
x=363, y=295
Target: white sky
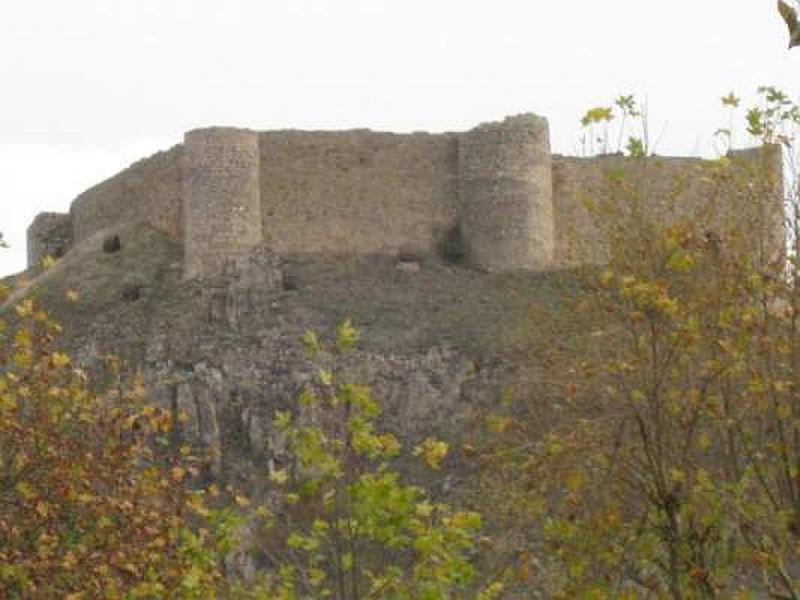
x=89, y=86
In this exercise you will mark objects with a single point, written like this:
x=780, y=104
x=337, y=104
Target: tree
x=96, y=503
x=346, y=526
x=687, y=484
x=89, y=508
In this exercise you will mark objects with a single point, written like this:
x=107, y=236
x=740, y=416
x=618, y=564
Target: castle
x=496, y=193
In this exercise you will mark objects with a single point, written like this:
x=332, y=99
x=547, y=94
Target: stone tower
x=506, y=194
x=221, y=198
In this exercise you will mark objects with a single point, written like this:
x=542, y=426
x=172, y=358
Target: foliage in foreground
x=88, y=507
x=346, y=526
x=688, y=483
x=95, y=503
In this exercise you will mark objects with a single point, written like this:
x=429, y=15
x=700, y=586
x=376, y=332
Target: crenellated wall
x=494, y=194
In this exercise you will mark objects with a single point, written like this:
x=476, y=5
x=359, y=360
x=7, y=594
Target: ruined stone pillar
x=50, y=234
x=506, y=194
x=221, y=198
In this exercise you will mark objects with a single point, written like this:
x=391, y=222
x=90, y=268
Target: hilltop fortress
x=494, y=195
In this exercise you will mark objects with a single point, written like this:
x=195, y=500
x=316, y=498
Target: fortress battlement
x=496, y=193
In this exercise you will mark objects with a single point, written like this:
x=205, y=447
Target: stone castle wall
x=663, y=188
x=357, y=191
x=50, y=234
x=578, y=180
x=494, y=193
x=149, y=190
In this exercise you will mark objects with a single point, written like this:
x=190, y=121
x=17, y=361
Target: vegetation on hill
x=345, y=525
x=680, y=475
x=90, y=506
x=673, y=470
x=99, y=502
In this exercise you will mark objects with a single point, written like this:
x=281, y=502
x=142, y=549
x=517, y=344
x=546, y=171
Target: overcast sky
x=89, y=86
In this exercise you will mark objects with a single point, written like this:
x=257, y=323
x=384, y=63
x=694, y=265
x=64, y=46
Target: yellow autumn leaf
x=84, y=498
x=59, y=360
x=607, y=278
x=102, y=570
x=677, y=475
x=24, y=309
x=25, y=490
x=278, y=476
x=69, y=560
x=7, y=402
x=47, y=261
x=432, y=452
x=195, y=503
x=325, y=377
x=423, y=509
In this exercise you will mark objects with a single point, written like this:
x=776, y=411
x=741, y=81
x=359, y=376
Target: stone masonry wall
x=221, y=198
x=494, y=193
x=506, y=209
x=50, y=234
x=149, y=190
x=664, y=189
x=357, y=191
x=579, y=182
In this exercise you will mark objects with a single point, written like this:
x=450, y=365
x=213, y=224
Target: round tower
x=221, y=198
x=506, y=194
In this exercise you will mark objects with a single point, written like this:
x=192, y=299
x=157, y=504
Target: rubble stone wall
x=725, y=195
x=506, y=210
x=357, y=191
x=149, y=190
x=221, y=199
x=50, y=234
x=493, y=195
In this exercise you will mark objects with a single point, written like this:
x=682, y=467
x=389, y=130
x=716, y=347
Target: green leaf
x=598, y=114
x=346, y=335
x=635, y=147
x=681, y=262
x=311, y=343
x=755, y=122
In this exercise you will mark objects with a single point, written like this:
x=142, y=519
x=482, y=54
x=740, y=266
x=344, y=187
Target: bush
x=89, y=508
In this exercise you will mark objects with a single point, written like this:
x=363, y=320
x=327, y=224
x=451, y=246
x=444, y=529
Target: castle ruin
x=496, y=195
